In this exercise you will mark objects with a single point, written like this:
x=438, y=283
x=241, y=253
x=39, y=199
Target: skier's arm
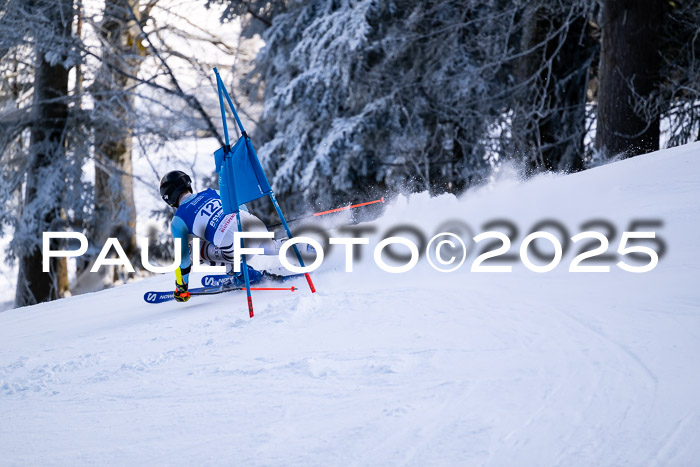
x=179, y=230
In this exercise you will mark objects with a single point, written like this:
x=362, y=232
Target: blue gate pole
x=289, y=234
x=227, y=161
x=220, y=83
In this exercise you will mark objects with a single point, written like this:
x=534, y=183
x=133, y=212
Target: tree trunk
x=629, y=70
x=42, y=205
x=115, y=212
x=551, y=123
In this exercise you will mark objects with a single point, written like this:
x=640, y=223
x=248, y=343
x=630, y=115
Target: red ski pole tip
x=250, y=306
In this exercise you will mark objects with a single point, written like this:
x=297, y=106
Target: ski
x=160, y=297
x=221, y=283
x=217, y=280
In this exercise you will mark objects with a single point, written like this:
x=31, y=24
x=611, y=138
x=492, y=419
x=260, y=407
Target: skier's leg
x=223, y=247
x=273, y=246
x=212, y=255
x=250, y=223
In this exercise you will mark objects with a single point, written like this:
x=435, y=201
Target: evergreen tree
x=362, y=97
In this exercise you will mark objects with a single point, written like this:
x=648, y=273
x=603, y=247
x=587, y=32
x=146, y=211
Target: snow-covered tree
x=84, y=83
x=365, y=96
x=51, y=176
x=362, y=96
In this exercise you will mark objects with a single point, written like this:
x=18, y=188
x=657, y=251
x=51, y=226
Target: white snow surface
x=421, y=368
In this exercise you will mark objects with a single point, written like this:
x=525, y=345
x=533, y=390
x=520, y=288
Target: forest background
x=345, y=100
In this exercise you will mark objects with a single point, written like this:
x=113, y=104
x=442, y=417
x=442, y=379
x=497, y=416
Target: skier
x=201, y=214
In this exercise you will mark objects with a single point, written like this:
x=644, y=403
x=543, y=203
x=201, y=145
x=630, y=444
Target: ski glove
x=181, y=293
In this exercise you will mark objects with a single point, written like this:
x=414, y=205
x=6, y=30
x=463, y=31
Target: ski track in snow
x=417, y=369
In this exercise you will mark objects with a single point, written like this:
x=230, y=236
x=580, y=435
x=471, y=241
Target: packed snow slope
x=421, y=368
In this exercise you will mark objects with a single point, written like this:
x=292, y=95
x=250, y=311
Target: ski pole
x=381, y=200
x=330, y=211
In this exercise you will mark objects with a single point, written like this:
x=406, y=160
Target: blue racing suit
x=199, y=214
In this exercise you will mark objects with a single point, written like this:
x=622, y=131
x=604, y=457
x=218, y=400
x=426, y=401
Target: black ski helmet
x=173, y=185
